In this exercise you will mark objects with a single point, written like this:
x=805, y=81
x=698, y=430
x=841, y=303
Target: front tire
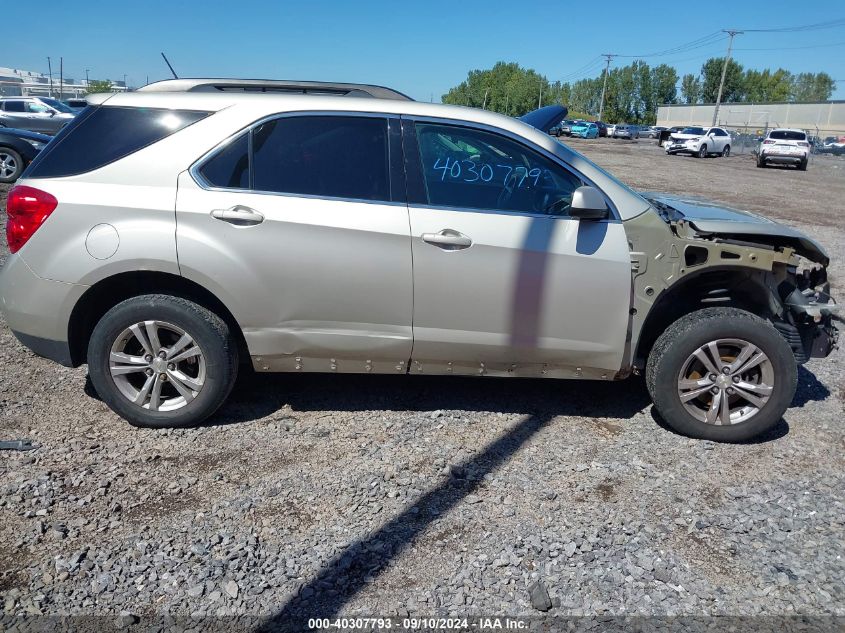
x=11, y=165
x=721, y=374
x=702, y=152
x=162, y=361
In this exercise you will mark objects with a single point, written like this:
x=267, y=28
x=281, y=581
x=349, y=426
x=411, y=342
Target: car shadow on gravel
x=259, y=395
x=356, y=566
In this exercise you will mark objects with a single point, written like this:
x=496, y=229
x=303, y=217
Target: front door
x=299, y=228
x=505, y=282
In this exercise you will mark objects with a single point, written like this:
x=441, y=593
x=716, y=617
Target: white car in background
x=699, y=141
x=784, y=146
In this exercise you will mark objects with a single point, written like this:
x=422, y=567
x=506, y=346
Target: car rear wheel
x=802, y=166
x=162, y=361
x=727, y=151
x=721, y=374
x=11, y=165
x=761, y=162
x=702, y=152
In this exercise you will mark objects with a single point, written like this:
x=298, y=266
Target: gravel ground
x=325, y=495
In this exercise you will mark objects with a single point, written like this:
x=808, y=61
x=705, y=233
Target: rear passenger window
x=229, y=168
x=13, y=106
x=102, y=135
x=325, y=156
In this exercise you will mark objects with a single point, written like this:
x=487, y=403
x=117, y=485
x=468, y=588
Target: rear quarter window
x=102, y=135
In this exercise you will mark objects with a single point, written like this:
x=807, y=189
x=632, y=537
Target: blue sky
x=420, y=48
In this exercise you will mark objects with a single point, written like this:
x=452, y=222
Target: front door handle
x=447, y=239
x=238, y=215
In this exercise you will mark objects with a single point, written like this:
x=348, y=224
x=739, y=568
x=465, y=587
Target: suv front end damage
x=689, y=255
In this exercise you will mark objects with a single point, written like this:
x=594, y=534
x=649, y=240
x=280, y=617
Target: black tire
x=685, y=336
x=726, y=152
x=802, y=166
x=761, y=163
x=18, y=164
x=210, y=333
x=702, y=152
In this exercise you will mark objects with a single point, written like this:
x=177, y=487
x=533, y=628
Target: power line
x=792, y=48
x=806, y=27
x=706, y=40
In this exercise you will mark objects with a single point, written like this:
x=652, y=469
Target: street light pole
x=724, y=72
x=609, y=57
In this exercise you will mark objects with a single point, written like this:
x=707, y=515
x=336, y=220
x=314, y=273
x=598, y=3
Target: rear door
x=15, y=115
x=300, y=226
x=505, y=282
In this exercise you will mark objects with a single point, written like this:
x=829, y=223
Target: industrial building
x=822, y=119
x=15, y=82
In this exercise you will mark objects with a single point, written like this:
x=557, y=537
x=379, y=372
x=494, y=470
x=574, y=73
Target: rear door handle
x=447, y=239
x=238, y=215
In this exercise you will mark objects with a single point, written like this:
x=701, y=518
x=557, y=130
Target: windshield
x=787, y=135
x=693, y=130
x=58, y=105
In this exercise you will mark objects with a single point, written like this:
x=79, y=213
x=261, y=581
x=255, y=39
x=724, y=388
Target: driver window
x=469, y=168
x=39, y=108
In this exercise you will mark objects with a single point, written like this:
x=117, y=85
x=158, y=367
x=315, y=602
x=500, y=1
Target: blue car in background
x=584, y=129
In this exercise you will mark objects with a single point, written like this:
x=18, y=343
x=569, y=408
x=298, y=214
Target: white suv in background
x=700, y=141
x=785, y=147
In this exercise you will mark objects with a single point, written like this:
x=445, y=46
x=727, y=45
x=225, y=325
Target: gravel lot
x=325, y=495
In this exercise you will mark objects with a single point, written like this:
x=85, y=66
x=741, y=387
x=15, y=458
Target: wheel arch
x=713, y=287
x=108, y=292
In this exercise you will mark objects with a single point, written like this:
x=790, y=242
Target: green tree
x=711, y=73
x=812, y=87
x=99, y=86
x=507, y=88
x=766, y=86
x=690, y=89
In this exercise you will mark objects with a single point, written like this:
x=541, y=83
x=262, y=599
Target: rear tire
x=673, y=366
x=187, y=384
x=726, y=152
x=803, y=165
x=761, y=162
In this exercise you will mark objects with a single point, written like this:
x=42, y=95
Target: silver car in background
x=338, y=234
x=36, y=114
x=622, y=130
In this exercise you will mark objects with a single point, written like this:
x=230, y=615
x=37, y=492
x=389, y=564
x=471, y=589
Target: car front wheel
x=721, y=374
x=11, y=165
x=702, y=152
x=162, y=361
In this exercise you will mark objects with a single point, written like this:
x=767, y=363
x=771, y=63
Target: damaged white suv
x=171, y=234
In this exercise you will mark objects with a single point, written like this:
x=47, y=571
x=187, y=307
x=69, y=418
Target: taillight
x=768, y=142
x=803, y=144
x=26, y=208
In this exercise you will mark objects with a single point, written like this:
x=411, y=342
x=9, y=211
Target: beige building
x=822, y=119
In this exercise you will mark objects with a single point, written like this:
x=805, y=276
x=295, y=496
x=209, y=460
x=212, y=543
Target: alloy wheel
x=726, y=381
x=157, y=366
x=8, y=165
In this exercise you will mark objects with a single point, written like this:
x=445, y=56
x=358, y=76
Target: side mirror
x=588, y=204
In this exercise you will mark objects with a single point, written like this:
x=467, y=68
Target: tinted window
x=58, y=105
x=326, y=156
x=229, y=168
x=13, y=106
x=99, y=136
x=693, y=130
x=470, y=168
x=787, y=135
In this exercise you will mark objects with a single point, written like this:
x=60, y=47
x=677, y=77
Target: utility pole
x=125, y=87
x=609, y=57
x=724, y=72
x=484, y=104
x=61, y=77
x=86, y=78
x=50, y=70
x=540, y=100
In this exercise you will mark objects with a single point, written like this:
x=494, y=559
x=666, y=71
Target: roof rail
x=276, y=86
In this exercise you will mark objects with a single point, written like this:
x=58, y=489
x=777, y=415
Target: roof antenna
x=175, y=76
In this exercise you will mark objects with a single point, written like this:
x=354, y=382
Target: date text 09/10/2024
x=418, y=624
